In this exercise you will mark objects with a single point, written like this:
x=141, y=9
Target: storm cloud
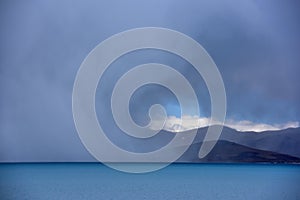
x=255, y=45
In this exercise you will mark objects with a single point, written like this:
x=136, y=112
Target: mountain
x=229, y=152
x=282, y=141
x=281, y=146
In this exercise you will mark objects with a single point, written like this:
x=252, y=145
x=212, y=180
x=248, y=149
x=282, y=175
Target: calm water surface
x=177, y=181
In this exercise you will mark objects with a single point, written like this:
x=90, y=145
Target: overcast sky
x=255, y=45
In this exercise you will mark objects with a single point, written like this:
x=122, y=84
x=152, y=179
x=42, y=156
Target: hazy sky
x=255, y=45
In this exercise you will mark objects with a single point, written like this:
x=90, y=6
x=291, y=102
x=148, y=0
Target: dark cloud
x=254, y=44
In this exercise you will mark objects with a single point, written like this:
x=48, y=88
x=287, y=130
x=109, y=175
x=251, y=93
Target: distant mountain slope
x=283, y=141
x=225, y=152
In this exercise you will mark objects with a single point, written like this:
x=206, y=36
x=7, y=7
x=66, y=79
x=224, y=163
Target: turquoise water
x=177, y=181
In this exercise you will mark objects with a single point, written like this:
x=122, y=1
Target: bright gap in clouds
x=187, y=122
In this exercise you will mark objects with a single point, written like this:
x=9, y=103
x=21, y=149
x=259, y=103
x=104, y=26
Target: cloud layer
x=188, y=122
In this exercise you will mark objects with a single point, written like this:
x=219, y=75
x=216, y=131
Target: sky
x=255, y=45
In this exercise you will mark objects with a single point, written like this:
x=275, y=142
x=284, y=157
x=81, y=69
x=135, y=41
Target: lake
x=177, y=181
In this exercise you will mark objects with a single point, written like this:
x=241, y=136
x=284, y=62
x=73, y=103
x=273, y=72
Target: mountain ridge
x=283, y=142
x=229, y=152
